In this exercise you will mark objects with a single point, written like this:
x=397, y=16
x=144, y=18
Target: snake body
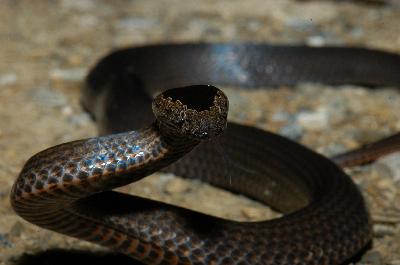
x=66, y=188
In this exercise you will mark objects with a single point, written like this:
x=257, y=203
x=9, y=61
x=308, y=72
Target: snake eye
x=204, y=135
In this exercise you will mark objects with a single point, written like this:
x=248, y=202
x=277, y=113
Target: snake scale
x=67, y=188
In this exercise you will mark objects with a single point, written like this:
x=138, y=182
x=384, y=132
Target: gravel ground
x=47, y=48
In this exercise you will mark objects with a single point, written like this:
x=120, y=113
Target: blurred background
x=47, y=47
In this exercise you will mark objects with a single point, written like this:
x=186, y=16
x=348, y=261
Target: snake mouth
x=199, y=98
x=198, y=112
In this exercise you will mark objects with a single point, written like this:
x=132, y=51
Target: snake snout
x=198, y=112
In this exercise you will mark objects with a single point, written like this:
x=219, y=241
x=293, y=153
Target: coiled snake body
x=66, y=188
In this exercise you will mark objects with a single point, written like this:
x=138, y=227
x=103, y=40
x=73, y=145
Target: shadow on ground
x=74, y=257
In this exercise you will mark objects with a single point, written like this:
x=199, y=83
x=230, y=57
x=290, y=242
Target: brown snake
x=66, y=188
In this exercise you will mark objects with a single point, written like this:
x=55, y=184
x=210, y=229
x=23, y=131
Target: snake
x=158, y=109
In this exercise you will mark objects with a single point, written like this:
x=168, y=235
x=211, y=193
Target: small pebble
x=254, y=25
x=389, y=166
x=78, y=5
x=280, y=116
x=369, y=136
x=16, y=229
x=292, y=131
x=338, y=110
x=133, y=23
x=74, y=75
x=252, y=213
x=67, y=111
x=357, y=32
x=45, y=96
x=381, y=230
x=300, y=25
x=316, y=41
x=313, y=120
x=397, y=125
x=372, y=257
x=8, y=79
x=80, y=120
x=88, y=21
x=176, y=185
x=332, y=149
x=4, y=241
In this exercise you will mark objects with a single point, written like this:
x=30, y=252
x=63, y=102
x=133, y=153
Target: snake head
x=198, y=112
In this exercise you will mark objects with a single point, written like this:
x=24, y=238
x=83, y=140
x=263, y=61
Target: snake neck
x=74, y=170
